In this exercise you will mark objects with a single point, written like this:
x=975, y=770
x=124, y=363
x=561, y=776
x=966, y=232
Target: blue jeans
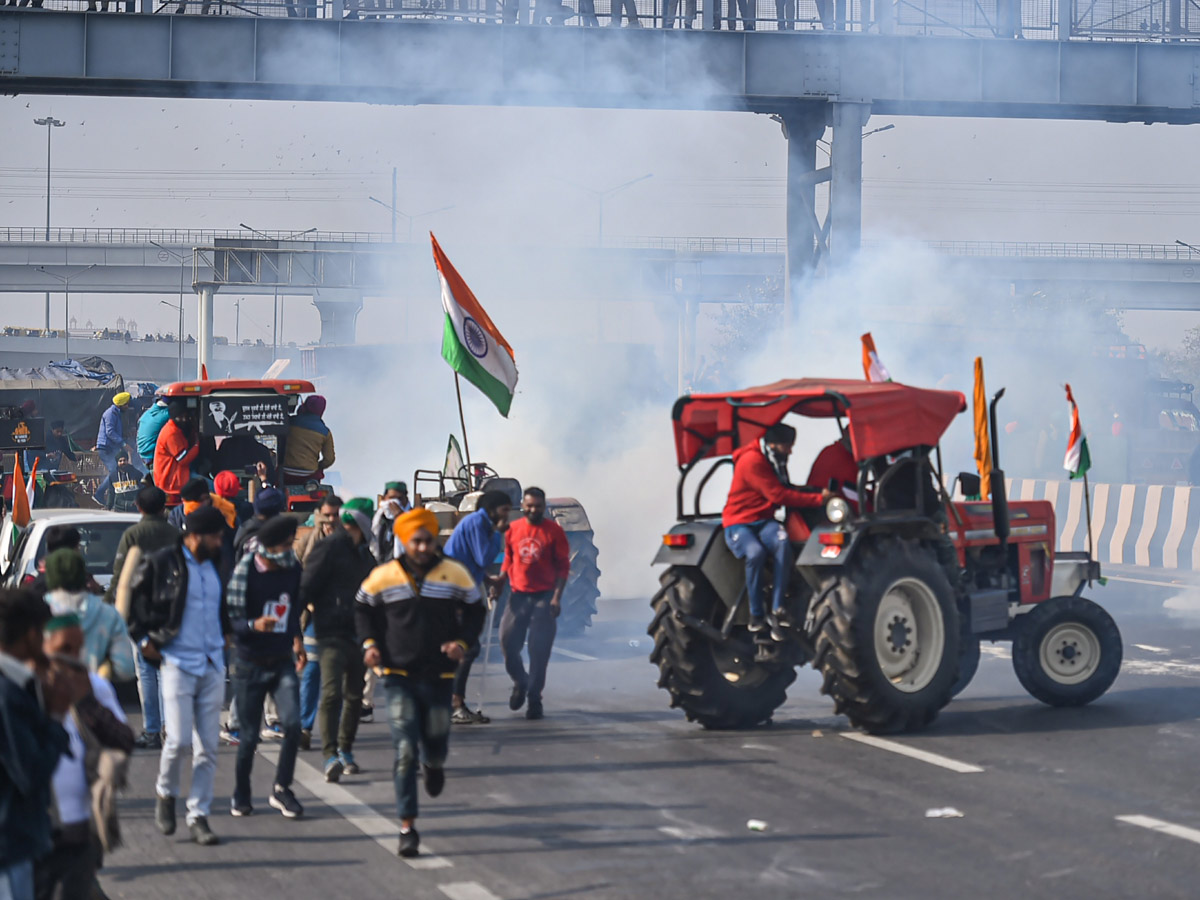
x=755, y=544
x=108, y=456
x=16, y=881
x=310, y=688
x=147, y=679
x=419, y=717
x=251, y=684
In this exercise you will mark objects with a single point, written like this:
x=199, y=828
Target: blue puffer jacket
x=29, y=751
x=149, y=425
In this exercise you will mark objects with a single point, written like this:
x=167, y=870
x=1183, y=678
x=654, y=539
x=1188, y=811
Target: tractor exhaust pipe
x=999, y=495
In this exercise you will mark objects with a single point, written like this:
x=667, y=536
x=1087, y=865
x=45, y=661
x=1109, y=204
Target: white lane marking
x=1150, y=648
x=690, y=832
x=1160, y=667
x=1179, y=831
x=1141, y=550
x=466, y=890
x=571, y=654
x=1179, y=517
x=1116, y=545
x=1166, y=584
x=383, y=832
x=925, y=756
x=996, y=652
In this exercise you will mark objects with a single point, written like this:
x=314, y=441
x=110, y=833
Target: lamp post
x=275, y=318
x=66, y=281
x=411, y=218
x=51, y=123
x=601, y=196
x=182, y=259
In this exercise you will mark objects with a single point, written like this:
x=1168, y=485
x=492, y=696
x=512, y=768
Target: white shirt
x=70, y=778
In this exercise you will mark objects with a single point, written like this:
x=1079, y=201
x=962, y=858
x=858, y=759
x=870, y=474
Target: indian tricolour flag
x=471, y=342
x=1078, y=460
x=873, y=367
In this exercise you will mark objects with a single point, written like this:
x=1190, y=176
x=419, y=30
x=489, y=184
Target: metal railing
x=180, y=236
x=1147, y=20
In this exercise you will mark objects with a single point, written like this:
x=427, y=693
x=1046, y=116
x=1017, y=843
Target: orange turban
x=412, y=521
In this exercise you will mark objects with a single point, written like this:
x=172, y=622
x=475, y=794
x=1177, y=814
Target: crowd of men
x=215, y=604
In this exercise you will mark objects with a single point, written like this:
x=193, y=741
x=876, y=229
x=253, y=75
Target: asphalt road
x=613, y=795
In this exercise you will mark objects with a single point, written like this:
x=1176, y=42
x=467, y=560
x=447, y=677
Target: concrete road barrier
x=1132, y=524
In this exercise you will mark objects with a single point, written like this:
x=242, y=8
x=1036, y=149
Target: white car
x=99, y=530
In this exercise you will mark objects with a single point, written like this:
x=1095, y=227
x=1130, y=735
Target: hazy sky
x=517, y=178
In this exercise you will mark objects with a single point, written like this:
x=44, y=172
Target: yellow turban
x=412, y=521
x=122, y=398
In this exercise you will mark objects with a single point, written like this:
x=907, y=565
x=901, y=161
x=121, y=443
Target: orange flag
x=20, y=500
x=983, y=444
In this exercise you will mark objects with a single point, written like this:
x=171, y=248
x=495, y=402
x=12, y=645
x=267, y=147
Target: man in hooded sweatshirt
x=309, y=442
x=149, y=425
x=760, y=486
x=175, y=451
x=110, y=439
x=106, y=649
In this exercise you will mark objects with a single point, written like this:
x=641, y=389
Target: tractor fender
x=708, y=552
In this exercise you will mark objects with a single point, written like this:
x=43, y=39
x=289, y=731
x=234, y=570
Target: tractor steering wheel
x=475, y=474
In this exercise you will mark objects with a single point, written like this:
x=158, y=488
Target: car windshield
x=98, y=543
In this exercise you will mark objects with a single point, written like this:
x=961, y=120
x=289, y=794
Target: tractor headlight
x=837, y=510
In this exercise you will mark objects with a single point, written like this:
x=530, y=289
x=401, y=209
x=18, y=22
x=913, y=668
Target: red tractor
x=890, y=596
x=241, y=422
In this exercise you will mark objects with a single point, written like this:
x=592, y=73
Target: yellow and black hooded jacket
x=409, y=619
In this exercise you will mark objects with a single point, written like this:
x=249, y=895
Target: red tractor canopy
x=882, y=418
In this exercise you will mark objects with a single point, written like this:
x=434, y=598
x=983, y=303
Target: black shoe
x=410, y=844
x=778, y=633
x=367, y=714
x=517, y=699
x=285, y=801
x=435, y=780
x=535, y=710
x=239, y=808
x=202, y=834
x=305, y=740
x=164, y=815
x=148, y=740
x=757, y=624
x=784, y=618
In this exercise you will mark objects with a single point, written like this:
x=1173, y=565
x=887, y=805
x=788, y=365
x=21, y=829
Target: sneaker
x=517, y=699
x=285, y=801
x=367, y=714
x=164, y=815
x=333, y=769
x=778, y=632
x=305, y=740
x=410, y=844
x=148, y=740
x=435, y=780
x=240, y=808
x=230, y=737
x=349, y=766
x=757, y=624
x=466, y=716
x=784, y=618
x=271, y=733
x=202, y=834
x=535, y=710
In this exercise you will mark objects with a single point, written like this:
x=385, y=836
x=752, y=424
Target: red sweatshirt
x=172, y=461
x=536, y=556
x=757, y=492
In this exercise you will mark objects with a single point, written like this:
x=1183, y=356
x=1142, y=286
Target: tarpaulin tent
x=74, y=390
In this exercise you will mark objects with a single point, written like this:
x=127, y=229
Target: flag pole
x=462, y=420
x=1087, y=506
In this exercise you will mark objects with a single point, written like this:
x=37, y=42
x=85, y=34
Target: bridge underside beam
x=386, y=62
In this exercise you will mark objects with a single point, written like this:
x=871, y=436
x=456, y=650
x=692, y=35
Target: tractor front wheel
x=718, y=684
x=1067, y=651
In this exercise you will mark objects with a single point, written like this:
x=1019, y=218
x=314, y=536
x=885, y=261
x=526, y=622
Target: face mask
x=281, y=557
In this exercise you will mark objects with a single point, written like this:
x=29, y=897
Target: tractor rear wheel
x=1067, y=651
x=718, y=684
x=582, y=590
x=887, y=638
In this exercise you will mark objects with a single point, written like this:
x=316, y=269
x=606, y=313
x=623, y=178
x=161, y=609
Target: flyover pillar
x=802, y=129
x=339, y=311
x=845, y=186
x=204, y=337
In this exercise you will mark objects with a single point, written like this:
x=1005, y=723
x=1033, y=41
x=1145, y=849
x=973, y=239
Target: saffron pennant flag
x=983, y=444
x=875, y=370
x=1078, y=460
x=471, y=342
x=20, y=499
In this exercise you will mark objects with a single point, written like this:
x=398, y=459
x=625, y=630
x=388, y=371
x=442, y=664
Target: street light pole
x=396, y=212
x=66, y=280
x=601, y=196
x=182, y=259
x=51, y=123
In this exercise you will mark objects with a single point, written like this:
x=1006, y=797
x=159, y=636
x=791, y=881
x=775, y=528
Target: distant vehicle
x=100, y=532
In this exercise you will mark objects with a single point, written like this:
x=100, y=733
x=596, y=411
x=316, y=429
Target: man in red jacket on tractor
x=760, y=486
